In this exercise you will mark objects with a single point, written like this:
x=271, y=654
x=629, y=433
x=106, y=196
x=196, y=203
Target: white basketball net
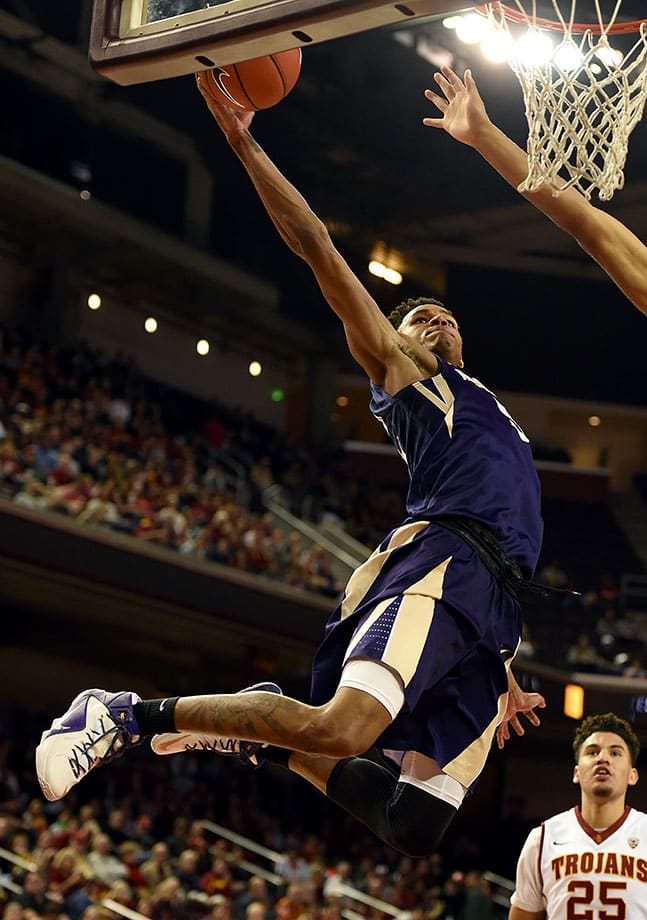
x=580, y=115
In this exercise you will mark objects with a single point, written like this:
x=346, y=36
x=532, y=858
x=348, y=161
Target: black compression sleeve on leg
x=404, y=816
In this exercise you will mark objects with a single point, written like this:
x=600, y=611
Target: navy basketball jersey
x=466, y=456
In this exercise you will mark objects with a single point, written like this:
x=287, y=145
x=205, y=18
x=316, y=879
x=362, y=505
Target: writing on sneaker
x=97, y=727
x=245, y=751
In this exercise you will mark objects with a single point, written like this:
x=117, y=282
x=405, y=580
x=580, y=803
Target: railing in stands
x=274, y=856
x=505, y=886
x=238, y=473
x=350, y=560
x=273, y=878
x=19, y=861
x=29, y=866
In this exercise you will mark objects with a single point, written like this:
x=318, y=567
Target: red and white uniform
x=574, y=872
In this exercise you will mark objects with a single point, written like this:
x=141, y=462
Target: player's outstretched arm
x=613, y=246
x=371, y=338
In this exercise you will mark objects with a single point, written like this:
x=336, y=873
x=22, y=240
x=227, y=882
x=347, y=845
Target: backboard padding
x=236, y=31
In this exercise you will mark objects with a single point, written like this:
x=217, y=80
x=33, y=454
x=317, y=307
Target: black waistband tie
x=506, y=572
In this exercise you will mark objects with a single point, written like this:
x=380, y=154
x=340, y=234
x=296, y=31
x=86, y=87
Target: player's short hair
x=398, y=313
x=607, y=722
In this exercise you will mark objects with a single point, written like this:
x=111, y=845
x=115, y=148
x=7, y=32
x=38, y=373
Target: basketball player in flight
x=590, y=861
x=614, y=247
x=413, y=678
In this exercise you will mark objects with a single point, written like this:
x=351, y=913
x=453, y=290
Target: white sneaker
x=245, y=751
x=97, y=727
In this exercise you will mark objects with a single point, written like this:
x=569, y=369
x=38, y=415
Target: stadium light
x=573, y=701
x=381, y=271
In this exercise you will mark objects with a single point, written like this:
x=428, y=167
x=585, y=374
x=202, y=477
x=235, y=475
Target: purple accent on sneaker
x=96, y=727
x=119, y=705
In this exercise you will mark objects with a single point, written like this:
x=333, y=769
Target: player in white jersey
x=613, y=246
x=590, y=863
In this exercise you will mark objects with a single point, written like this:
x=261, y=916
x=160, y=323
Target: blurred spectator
x=117, y=826
x=68, y=880
x=336, y=879
x=606, y=624
x=256, y=910
x=122, y=893
x=130, y=853
x=169, y=901
x=158, y=866
x=553, y=575
x=218, y=879
x=255, y=891
x=187, y=870
x=628, y=626
x=292, y=867
x=291, y=905
x=635, y=668
x=477, y=902
x=104, y=864
x=34, y=895
x=583, y=655
x=177, y=841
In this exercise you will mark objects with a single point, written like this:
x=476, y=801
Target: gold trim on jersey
x=408, y=635
x=409, y=631
x=364, y=576
x=444, y=402
x=470, y=762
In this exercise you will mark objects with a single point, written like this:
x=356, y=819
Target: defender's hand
x=463, y=111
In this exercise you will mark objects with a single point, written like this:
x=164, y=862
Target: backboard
x=135, y=41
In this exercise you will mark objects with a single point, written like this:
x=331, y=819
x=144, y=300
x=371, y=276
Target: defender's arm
x=613, y=246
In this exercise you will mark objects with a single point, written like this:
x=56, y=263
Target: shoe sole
x=180, y=743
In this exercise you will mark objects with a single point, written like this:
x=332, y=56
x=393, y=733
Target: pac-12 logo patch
x=633, y=842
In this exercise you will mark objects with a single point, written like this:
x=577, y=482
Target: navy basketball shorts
x=425, y=607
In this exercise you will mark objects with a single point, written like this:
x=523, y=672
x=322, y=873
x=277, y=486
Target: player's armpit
x=517, y=914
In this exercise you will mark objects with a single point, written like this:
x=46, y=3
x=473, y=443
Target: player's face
x=603, y=769
x=436, y=330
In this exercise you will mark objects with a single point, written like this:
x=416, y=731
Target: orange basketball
x=256, y=84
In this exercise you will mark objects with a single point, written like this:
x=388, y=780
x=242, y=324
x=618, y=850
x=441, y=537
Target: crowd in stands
x=87, y=436
x=133, y=834
x=90, y=438
x=595, y=632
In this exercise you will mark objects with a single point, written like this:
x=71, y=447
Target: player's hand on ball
x=231, y=122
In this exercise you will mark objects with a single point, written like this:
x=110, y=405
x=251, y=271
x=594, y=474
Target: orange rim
x=552, y=25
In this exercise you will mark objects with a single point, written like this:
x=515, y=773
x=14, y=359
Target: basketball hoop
x=583, y=102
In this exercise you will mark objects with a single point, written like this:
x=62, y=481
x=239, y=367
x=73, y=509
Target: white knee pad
x=420, y=771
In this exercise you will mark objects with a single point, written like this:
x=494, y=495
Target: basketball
x=256, y=84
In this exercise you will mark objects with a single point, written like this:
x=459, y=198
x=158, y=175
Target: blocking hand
x=463, y=111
